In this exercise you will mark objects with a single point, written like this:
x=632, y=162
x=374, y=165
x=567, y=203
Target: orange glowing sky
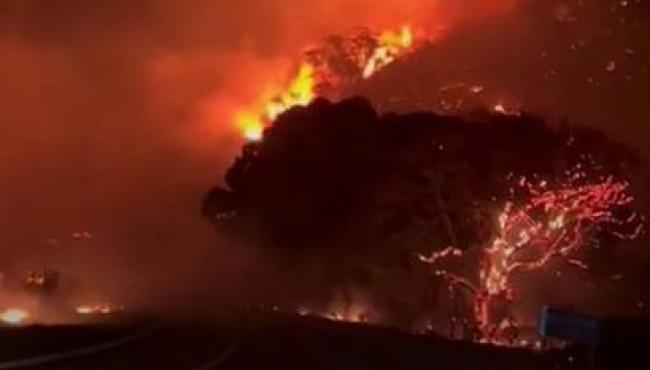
x=117, y=116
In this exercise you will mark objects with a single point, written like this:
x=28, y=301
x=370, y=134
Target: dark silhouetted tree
x=363, y=194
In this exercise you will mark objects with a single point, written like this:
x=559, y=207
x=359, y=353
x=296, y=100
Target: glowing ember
x=97, y=309
x=13, y=316
x=434, y=256
x=81, y=235
x=303, y=311
x=499, y=108
x=506, y=110
x=84, y=310
x=548, y=224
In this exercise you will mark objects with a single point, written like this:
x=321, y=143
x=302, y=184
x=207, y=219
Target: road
x=177, y=347
x=300, y=344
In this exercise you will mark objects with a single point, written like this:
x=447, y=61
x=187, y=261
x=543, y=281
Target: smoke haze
x=116, y=117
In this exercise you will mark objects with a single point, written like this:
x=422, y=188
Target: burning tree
x=342, y=61
x=547, y=224
x=350, y=197
x=328, y=70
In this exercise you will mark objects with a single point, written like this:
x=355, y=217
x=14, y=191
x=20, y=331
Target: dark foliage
x=341, y=179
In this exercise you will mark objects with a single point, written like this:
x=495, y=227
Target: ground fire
x=14, y=316
x=98, y=309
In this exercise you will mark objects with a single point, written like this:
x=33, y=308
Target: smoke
x=584, y=62
x=116, y=116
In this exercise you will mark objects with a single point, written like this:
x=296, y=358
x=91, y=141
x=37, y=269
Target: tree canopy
x=365, y=193
x=329, y=174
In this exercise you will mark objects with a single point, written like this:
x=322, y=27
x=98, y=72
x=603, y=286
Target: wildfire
x=14, y=316
x=356, y=310
x=499, y=108
x=97, y=309
x=434, y=256
x=549, y=224
x=301, y=89
x=391, y=45
x=353, y=314
x=505, y=110
x=250, y=125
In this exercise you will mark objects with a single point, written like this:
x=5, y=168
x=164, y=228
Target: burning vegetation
x=549, y=223
x=337, y=65
x=47, y=296
x=525, y=197
x=354, y=201
x=14, y=316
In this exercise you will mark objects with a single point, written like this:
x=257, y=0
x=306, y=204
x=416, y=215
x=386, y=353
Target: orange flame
x=96, y=309
x=14, y=316
x=299, y=92
x=250, y=125
x=391, y=45
x=301, y=89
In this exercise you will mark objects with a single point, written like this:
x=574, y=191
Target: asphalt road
x=178, y=347
x=301, y=344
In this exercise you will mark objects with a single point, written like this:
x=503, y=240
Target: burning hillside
x=585, y=60
x=336, y=66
